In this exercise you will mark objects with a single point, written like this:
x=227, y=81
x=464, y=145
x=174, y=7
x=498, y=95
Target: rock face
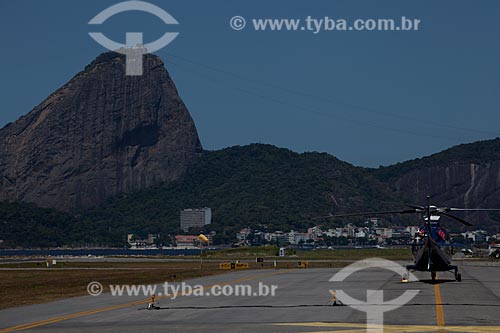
x=465, y=176
x=459, y=184
x=463, y=185
x=101, y=134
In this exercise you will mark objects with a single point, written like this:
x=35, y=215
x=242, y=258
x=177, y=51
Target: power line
x=419, y=121
x=317, y=112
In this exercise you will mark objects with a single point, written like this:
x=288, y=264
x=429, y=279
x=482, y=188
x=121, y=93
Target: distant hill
x=255, y=185
x=466, y=176
x=26, y=225
x=249, y=186
x=262, y=185
x=480, y=152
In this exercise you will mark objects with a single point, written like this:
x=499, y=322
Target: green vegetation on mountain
x=476, y=152
x=257, y=186
x=26, y=225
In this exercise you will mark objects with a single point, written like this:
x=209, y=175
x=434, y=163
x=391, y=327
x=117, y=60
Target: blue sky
x=368, y=97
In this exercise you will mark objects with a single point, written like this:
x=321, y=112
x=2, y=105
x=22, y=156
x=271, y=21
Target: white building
x=360, y=233
x=295, y=238
x=197, y=218
x=331, y=233
x=314, y=232
x=243, y=234
x=412, y=230
x=138, y=243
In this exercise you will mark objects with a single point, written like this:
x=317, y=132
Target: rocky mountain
x=262, y=184
x=466, y=176
x=120, y=154
x=101, y=134
x=265, y=186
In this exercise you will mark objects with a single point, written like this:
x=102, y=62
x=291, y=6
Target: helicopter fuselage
x=430, y=257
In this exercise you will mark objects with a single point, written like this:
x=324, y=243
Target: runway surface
x=301, y=304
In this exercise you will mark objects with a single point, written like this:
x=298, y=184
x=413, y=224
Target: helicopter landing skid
x=451, y=268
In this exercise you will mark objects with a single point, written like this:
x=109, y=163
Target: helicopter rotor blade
x=407, y=205
x=457, y=219
x=472, y=209
x=416, y=207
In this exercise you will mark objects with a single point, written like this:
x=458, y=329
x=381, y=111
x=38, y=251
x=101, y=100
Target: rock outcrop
x=101, y=134
x=466, y=176
x=467, y=184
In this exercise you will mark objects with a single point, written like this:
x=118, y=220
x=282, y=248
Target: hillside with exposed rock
x=465, y=176
x=101, y=134
x=112, y=154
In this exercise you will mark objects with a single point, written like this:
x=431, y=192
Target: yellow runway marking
x=439, y=305
x=361, y=328
x=121, y=306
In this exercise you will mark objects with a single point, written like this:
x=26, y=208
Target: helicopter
x=428, y=246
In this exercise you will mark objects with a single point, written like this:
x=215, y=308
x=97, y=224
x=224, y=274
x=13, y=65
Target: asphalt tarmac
x=301, y=303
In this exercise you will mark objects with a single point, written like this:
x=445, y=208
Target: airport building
x=186, y=241
x=195, y=218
